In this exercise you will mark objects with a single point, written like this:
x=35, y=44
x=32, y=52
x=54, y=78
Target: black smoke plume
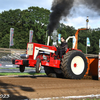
x=59, y=8
x=91, y=4
x=94, y=4
x=62, y=8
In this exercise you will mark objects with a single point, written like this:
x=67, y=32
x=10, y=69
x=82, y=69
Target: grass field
x=7, y=74
x=16, y=68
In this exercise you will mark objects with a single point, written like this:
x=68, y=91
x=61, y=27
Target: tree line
x=37, y=19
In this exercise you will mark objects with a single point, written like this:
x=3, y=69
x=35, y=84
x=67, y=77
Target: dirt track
x=42, y=86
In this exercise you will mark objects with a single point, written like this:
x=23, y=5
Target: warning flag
x=30, y=35
x=11, y=36
x=88, y=42
x=59, y=38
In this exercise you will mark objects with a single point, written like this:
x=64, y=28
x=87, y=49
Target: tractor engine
x=34, y=50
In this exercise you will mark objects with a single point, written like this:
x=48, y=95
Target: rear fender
x=69, y=49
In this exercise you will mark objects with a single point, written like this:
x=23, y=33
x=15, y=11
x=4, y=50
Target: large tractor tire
x=38, y=66
x=22, y=68
x=50, y=72
x=74, y=65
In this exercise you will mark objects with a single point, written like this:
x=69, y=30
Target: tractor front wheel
x=22, y=68
x=38, y=66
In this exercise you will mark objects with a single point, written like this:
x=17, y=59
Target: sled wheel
x=74, y=65
x=38, y=66
x=22, y=68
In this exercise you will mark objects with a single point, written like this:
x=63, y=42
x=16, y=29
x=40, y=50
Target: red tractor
x=73, y=64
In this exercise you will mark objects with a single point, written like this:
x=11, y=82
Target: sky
x=76, y=18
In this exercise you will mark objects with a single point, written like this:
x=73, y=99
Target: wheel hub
x=75, y=65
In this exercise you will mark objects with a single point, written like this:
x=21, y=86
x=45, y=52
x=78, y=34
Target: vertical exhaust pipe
x=48, y=40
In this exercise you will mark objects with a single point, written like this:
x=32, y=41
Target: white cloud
x=77, y=22
x=94, y=23
x=80, y=22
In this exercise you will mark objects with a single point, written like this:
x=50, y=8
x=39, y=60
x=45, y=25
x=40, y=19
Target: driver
x=62, y=48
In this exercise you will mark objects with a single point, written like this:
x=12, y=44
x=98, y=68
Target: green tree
x=33, y=18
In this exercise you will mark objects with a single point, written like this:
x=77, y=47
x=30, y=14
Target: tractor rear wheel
x=74, y=65
x=22, y=68
x=50, y=72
